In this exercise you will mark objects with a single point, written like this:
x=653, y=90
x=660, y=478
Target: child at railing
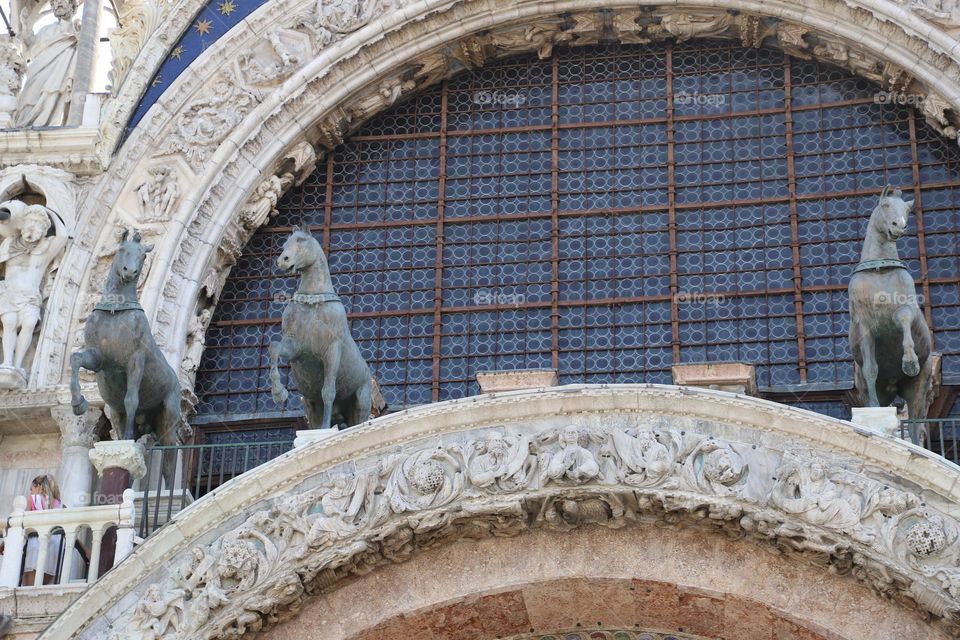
x=44, y=494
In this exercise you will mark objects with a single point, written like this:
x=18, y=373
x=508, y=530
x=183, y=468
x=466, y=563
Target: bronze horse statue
x=326, y=363
x=889, y=336
x=135, y=380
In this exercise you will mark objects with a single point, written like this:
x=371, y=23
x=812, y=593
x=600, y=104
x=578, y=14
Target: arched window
x=559, y=213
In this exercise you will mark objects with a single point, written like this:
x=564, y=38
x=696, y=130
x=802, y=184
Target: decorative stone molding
x=559, y=459
x=123, y=454
x=137, y=19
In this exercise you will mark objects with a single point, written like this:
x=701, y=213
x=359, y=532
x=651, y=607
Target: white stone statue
x=11, y=75
x=26, y=253
x=52, y=53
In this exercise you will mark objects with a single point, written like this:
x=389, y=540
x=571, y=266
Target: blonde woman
x=44, y=494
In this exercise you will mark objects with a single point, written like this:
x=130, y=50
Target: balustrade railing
x=179, y=474
x=940, y=435
x=76, y=535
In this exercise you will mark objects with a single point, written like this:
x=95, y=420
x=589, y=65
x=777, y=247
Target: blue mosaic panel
x=608, y=211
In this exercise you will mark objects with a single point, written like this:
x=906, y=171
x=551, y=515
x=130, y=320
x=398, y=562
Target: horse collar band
x=113, y=307
x=315, y=298
x=877, y=265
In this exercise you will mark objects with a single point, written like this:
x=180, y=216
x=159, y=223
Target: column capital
x=76, y=431
x=123, y=454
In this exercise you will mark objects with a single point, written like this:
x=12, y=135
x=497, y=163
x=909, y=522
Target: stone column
x=77, y=436
x=86, y=56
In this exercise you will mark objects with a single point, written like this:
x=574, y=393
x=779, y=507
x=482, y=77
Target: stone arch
x=359, y=73
x=876, y=513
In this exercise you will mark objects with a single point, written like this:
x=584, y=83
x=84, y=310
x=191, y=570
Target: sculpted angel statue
x=52, y=52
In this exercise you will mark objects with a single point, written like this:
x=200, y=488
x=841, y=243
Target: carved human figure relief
x=196, y=336
x=51, y=58
x=26, y=253
x=686, y=26
x=501, y=462
x=11, y=76
x=276, y=57
x=572, y=461
x=158, y=195
x=639, y=457
x=330, y=20
x=715, y=467
x=344, y=504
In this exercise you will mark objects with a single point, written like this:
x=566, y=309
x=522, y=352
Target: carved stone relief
x=138, y=19
x=611, y=470
x=203, y=124
x=12, y=66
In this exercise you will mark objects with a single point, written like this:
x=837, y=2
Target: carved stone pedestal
x=735, y=377
x=493, y=381
x=118, y=462
x=12, y=378
x=309, y=436
x=883, y=420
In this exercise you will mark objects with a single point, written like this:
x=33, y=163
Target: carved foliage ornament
x=203, y=125
x=504, y=481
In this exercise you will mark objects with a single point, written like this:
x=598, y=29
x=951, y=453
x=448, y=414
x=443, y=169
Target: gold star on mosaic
x=227, y=7
x=203, y=27
x=156, y=81
x=177, y=52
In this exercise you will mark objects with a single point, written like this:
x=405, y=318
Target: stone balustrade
x=87, y=524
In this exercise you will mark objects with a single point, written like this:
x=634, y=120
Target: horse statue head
x=129, y=259
x=300, y=252
x=889, y=217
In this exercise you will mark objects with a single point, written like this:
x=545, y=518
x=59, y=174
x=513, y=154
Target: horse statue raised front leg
x=889, y=337
x=326, y=363
x=134, y=378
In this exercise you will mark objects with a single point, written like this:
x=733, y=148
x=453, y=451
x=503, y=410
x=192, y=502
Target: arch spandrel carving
x=856, y=504
x=354, y=74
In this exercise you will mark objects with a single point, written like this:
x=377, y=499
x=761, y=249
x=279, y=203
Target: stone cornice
x=69, y=148
x=559, y=458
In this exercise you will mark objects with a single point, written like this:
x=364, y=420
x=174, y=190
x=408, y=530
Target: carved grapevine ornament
x=507, y=480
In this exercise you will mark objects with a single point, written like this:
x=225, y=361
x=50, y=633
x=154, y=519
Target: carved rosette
x=383, y=509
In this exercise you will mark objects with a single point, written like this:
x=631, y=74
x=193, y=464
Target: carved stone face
x=569, y=436
x=63, y=9
x=34, y=229
x=718, y=466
